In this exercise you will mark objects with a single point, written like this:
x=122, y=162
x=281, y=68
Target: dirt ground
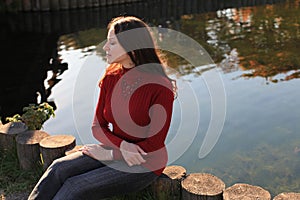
x=16, y=196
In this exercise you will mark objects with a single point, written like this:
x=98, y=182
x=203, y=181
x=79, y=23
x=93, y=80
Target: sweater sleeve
x=100, y=127
x=156, y=142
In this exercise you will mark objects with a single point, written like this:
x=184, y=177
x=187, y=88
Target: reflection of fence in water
x=79, y=15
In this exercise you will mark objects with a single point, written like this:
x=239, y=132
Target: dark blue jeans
x=79, y=177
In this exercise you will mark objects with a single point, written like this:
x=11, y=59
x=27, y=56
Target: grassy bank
x=12, y=178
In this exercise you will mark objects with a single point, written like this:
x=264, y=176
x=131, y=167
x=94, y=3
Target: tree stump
x=246, y=192
x=53, y=147
x=168, y=185
x=202, y=186
x=28, y=148
x=8, y=134
x=75, y=149
x=287, y=196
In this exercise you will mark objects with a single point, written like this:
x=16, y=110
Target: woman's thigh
x=74, y=164
x=106, y=182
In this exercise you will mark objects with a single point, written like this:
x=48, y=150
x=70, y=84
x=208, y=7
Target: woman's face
x=115, y=53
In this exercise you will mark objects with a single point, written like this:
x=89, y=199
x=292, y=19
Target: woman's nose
x=105, y=47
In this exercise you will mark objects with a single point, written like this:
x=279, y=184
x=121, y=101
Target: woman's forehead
x=111, y=34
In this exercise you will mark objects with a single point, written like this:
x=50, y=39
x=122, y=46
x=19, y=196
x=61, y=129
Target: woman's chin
x=109, y=61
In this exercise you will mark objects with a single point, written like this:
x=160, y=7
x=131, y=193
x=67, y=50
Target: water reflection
x=261, y=40
x=250, y=44
x=26, y=61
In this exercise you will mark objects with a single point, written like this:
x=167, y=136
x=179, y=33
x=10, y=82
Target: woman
x=131, y=122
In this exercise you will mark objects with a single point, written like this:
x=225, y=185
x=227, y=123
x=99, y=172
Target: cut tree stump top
x=57, y=141
x=287, y=196
x=175, y=172
x=31, y=137
x=13, y=128
x=203, y=184
x=246, y=192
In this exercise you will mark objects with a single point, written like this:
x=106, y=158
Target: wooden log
x=287, y=196
x=168, y=185
x=109, y=2
x=246, y=191
x=95, y=3
x=73, y=4
x=54, y=147
x=88, y=3
x=8, y=134
x=54, y=5
x=19, y=5
x=45, y=5
x=26, y=5
x=64, y=4
x=28, y=150
x=202, y=186
x=36, y=6
x=81, y=3
x=75, y=149
x=102, y=2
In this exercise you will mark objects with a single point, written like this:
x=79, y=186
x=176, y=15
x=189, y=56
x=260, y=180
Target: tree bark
x=168, y=185
x=202, y=186
x=8, y=134
x=54, y=147
x=28, y=148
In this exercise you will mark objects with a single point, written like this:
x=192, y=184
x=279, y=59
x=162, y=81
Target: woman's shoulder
x=158, y=84
x=159, y=80
x=112, y=72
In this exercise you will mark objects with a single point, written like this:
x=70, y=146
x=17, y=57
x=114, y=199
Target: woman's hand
x=97, y=152
x=132, y=153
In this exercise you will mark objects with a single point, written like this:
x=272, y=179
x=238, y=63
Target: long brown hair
x=138, y=44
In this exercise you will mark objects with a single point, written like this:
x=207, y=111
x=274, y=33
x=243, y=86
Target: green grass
x=12, y=178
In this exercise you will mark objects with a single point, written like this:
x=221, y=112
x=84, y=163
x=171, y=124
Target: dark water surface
x=254, y=44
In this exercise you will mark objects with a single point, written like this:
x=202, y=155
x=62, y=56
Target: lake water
x=244, y=107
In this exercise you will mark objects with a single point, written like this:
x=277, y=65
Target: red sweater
x=138, y=105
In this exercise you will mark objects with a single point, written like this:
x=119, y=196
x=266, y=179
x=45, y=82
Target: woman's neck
x=128, y=65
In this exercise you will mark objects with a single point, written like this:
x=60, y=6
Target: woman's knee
x=59, y=168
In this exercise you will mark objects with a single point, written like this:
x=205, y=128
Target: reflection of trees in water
x=265, y=37
x=273, y=43
x=57, y=67
x=84, y=40
x=22, y=78
x=260, y=40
